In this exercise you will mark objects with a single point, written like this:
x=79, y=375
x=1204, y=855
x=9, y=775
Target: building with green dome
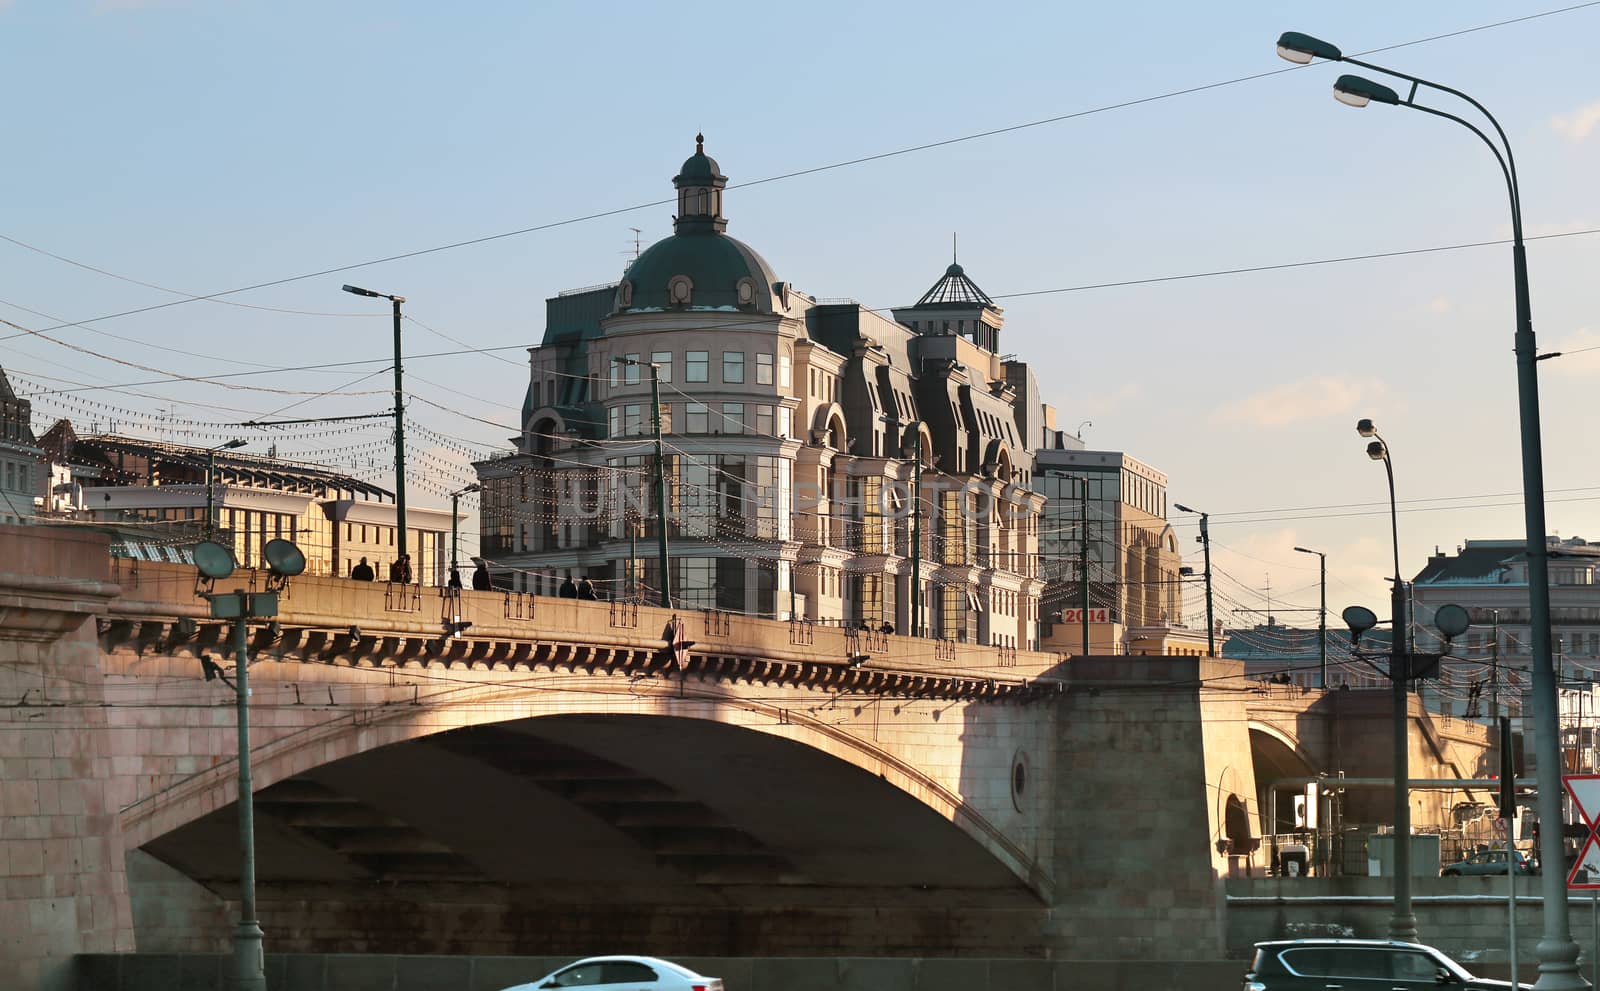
x=822, y=461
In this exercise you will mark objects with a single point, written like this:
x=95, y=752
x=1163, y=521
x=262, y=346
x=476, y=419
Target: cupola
x=700, y=183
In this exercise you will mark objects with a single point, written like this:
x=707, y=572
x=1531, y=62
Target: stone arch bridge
x=552, y=782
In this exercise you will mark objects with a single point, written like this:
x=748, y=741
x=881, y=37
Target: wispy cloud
x=1440, y=304
x=1579, y=124
x=1306, y=399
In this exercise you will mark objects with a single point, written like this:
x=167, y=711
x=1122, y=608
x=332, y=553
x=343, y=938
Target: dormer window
x=680, y=290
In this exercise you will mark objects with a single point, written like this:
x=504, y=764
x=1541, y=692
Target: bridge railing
x=331, y=605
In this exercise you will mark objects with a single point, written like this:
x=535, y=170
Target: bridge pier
x=63, y=884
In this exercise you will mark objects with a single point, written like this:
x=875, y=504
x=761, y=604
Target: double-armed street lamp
x=1322, y=618
x=211, y=470
x=399, y=420
x=1558, y=953
x=1403, y=923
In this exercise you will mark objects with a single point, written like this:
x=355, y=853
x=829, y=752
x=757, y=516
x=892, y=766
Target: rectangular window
x=733, y=367
x=614, y=422
x=630, y=372
x=732, y=418
x=764, y=421
x=763, y=369
x=616, y=373
x=663, y=362
x=785, y=378
x=785, y=421
x=696, y=365
x=630, y=420
x=695, y=419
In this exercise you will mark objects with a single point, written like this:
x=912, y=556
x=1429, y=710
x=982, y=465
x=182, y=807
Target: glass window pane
x=663, y=362
x=733, y=367
x=696, y=365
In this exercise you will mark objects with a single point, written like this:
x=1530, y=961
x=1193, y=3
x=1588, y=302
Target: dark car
x=1359, y=965
x=1487, y=862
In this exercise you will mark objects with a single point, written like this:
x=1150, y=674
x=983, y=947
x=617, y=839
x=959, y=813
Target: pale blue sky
x=207, y=146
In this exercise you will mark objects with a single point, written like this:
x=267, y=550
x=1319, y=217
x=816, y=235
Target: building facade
x=21, y=458
x=820, y=461
x=162, y=490
x=1488, y=672
x=1105, y=517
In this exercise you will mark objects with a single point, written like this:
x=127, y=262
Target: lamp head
x=1307, y=550
x=1360, y=619
x=284, y=559
x=1302, y=48
x=1358, y=91
x=1377, y=451
x=1180, y=507
x=1452, y=620
x=357, y=290
x=234, y=444
x=1366, y=428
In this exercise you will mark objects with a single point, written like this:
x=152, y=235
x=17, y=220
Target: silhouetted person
x=455, y=579
x=586, y=590
x=362, y=572
x=405, y=569
x=568, y=589
x=480, y=578
x=394, y=570
x=887, y=628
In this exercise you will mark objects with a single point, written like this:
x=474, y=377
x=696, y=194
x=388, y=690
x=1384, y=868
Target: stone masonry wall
x=63, y=888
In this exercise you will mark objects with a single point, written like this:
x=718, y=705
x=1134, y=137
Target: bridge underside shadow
x=1276, y=759
x=579, y=834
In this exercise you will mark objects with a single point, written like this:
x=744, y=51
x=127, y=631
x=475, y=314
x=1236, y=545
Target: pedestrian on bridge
x=569, y=589
x=362, y=572
x=586, y=590
x=480, y=577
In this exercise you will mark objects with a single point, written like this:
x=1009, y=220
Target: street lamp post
x=399, y=420
x=1205, y=541
x=211, y=470
x=662, y=549
x=1558, y=953
x=1403, y=923
x=455, y=501
x=1322, y=618
x=214, y=562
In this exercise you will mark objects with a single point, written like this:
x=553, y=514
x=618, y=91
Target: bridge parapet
x=377, y=623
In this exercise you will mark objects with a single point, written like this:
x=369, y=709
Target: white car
x=624, y=974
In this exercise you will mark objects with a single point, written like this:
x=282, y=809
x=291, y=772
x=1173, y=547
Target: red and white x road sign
x=1585, y=792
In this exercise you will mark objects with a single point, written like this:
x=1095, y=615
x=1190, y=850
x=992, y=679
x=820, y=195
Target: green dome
x=722, y=273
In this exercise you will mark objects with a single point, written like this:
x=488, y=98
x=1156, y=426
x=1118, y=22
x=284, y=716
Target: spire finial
x=953, y=258
x=700, y=144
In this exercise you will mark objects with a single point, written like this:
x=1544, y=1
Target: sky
x=1098, y=163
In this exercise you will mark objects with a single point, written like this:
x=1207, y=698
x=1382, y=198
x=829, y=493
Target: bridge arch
x=722, y=755
x=1278, y=756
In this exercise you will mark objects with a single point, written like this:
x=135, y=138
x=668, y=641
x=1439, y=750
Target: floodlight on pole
x=399, y=419
x=215, y=562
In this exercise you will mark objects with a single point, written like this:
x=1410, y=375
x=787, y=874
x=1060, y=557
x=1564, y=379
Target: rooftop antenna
x=953, y=258
x=636, y=233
